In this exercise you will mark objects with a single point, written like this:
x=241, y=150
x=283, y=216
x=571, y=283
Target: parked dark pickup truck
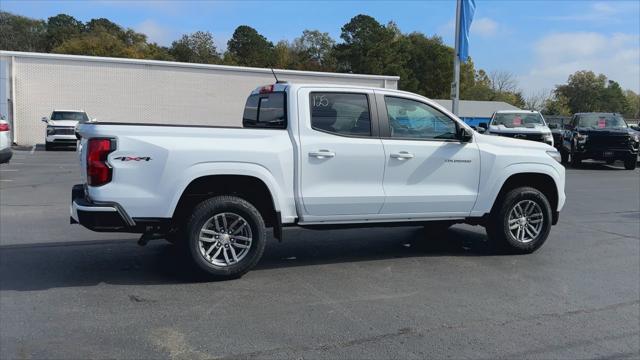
x=600, y=136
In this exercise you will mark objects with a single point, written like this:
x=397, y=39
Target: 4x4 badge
x=133, y=158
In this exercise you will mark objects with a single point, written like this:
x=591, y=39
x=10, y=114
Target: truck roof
x=67, y=110
x=283, y=86
x=516, y=111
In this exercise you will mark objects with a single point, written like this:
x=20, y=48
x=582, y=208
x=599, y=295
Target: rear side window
x=265, y=111
x=340, y=113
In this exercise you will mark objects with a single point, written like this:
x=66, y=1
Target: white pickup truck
x=317, y=156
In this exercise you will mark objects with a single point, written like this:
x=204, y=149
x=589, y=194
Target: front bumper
x=605, y=153
x=98, y=216
x=69, y=139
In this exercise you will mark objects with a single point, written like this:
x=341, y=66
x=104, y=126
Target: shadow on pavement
x=123, y=262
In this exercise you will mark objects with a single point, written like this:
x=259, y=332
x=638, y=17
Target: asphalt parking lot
x=67, y=292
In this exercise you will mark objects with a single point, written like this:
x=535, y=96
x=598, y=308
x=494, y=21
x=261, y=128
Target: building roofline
x=192, y=65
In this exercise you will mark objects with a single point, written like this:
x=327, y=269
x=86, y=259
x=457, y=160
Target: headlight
x=50, y=130
x=548, y=138
x=636, y=138
x=555, y=155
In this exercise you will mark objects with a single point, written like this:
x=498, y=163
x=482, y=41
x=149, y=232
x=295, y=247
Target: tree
x=369, y=47
x=314, y=50
x=503, y=82
x=198, y=47
x=557, y=105
x=633, y=100
x=62, y=27
x=248, y=48
x=537, y=100
x=587, y=92
x=19, y=33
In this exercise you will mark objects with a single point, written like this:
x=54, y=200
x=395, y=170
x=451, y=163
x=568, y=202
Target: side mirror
x=93, y=120
x=568, y=127
x=45, y=119
x=479, y=129
x=553, y=126
x=483, y=125
x=465, y=135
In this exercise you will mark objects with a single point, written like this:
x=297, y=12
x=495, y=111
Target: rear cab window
x=346, y=114
x=267, y=111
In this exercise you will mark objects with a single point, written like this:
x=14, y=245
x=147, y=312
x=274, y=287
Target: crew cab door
x=429, y=171
x=341, y=156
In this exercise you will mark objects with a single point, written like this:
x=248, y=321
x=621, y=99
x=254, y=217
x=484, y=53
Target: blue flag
x=467, y=9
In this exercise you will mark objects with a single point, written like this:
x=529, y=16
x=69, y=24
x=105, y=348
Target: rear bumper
x=100, y=216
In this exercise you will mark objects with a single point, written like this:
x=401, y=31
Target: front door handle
x=402, y=155
x=322, y=154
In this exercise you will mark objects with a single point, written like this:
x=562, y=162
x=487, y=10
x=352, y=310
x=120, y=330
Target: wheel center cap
x=523, y=220
x=224, y=239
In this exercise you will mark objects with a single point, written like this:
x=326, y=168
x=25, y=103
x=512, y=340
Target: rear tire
x=226, y=236
x=521, y=222
x=630, y=163
x=576, y=161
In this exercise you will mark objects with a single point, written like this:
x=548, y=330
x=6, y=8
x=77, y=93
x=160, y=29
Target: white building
x=129, y=90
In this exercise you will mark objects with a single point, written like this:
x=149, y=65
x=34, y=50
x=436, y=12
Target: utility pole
x=455, y=85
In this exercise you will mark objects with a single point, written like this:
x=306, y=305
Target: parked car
x=600, y=136
x=5, y=142
x=61, y=127
x=314, y=156
x=556, y=125
x=519, y=124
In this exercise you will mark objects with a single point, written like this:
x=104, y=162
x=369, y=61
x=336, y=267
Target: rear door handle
x=402, y=155
x=322, y=154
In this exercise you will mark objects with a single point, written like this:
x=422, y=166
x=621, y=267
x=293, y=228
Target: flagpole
x=455, y=86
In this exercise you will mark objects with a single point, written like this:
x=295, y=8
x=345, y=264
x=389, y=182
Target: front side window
x=265, y=111
x=409, y=119
x=340, y=113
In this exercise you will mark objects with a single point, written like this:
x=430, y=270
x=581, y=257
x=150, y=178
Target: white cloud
x=156, y=32
x=558, y=55
x=484, y=27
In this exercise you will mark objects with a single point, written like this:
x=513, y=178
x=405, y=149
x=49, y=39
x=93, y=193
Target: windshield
x=517, y=119
x=601, y=121
x=69, y=115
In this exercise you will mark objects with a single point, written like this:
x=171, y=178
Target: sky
x=540, y=42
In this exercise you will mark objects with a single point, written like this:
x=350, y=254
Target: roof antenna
x=274, y=75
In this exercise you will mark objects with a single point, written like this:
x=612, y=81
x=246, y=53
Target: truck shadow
x=121, y=262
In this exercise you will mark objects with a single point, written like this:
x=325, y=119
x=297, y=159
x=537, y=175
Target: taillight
x=4, y=127
x=98, y=171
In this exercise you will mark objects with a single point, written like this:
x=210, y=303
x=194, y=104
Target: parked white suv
x=519, y=124
x=5, y=142
x=314, y=156
x=61, y=127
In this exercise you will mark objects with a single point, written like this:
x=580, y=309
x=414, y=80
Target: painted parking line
x=5, y=180
x=33, y=149
x=7, y=170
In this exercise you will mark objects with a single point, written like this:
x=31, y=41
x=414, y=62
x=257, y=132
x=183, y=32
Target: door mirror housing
x=465, y=135
x=483, y=125
x=44, y=119
x=479, y=129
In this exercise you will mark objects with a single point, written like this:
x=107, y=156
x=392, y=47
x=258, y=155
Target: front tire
x=48, y=146
x=630, y=163
x=576, y=161
x=564, y=157
x=226, y=236
x=521, y=222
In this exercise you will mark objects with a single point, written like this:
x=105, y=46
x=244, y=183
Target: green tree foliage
x=314, y=51
x=633, y=100
x=61, y=28
x=587, y=92
x=19, y=33
x=248, y=48
x=198, y=47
